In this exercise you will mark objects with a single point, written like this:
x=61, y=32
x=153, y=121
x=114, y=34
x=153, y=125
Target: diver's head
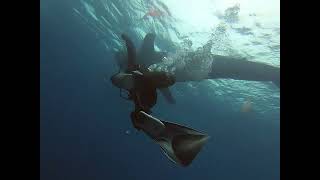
x=123, y=81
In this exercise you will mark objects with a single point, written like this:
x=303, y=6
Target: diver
x=179, y=143
x=140, y=82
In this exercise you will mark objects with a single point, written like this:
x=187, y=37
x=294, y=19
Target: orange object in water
x=153, y=13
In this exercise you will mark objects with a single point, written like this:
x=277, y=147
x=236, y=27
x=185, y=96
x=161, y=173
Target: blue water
x=84, y=121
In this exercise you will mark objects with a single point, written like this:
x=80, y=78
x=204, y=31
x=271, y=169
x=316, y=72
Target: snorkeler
x=179, y=143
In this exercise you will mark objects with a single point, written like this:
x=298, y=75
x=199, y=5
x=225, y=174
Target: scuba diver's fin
x=179, y=143
x=184, y=143
x=167, y=95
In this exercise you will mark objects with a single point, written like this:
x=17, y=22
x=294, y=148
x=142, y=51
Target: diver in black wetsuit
x=144, y=93
x=141, y=83
x=179, y=143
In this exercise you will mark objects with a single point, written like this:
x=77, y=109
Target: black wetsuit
x=144, y=94
x=144, y=97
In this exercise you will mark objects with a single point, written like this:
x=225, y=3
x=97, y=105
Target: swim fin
x=179, y=143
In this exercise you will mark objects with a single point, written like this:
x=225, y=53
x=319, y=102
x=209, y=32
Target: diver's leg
x=240, y=69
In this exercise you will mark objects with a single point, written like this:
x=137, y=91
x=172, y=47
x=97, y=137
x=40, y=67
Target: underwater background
x=85, y=128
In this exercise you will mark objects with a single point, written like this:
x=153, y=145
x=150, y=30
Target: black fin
x=185, y=144
x=179, y=143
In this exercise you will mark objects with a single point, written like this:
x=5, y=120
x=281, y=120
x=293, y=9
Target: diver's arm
x=240, y=69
